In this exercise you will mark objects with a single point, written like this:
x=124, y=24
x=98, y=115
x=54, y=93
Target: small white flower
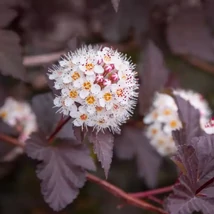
x=98, y=87
x=163, y=118
x=16, y=113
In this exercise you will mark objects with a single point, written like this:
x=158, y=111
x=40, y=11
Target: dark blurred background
x=181, y=29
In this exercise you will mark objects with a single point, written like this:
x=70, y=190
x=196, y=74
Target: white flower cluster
x=98, y=87
x=163, y=119
x=20, y=116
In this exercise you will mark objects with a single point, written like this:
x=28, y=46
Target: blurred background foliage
x=182, y=29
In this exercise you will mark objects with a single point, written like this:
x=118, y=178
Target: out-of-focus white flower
x=98, y=87
x=19, y=115
x=209, y=127
x=163, y=118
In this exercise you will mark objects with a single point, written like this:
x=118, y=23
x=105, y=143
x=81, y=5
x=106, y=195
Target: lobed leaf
x=133, y=143
x=47, y=117
x=189, y=22
x=195, y=189
x=10, y=55
x=153, y=75
x=62, y=168
x=190, y=118
x=103, y=147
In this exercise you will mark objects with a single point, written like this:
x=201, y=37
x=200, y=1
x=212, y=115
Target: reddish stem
x=204, y=185
x=58, y=128
x=151, y=192
x=120, y=193
x=11, y=140
x=155, y=199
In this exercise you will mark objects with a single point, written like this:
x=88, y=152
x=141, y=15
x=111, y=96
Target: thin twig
x=151, y=192
x=30, y=61
x=11, y=140
x=43, y=59
x=155, y=199
x=120, y=193
x=58, y=128
x=109, y=187
x=197, y=62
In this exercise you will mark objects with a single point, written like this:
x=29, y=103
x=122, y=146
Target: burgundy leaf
x=48, y=118
x=195, y=189
x=189, y=22
x=115, y=4
x=132, y=143
x=62, y=168
x=103, y=147
x=183, y=201
x=6, y=16
x=153, y=75
x=10, y=55
x=190, y=118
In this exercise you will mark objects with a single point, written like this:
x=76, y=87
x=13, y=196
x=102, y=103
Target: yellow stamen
x=90, y=99
x=87, y=85
x=167, y=112
x=3, y=114
x=107, y=96
x=89, y=66
x=75, y=76
x=73, y=94
x=173, y=124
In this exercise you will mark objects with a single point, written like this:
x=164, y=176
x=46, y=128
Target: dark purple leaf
x=62, y=169
x=10, y=55
x=103, y=148
x=183, y=201
x=132, y=143
x=6, y=16
x=48, y=118
x=188, y=34
x=190, y=118
x=115, y=4
x=195, y=189
x=153, y=75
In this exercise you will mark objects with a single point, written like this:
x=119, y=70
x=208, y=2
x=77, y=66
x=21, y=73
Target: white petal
x=109, y=105
x=57, y=101
x=78, y=83
x=84, y=94
x=90, y=123
x=82, y=109
x=65, y=91
x=68, y=101
x=67, y=79
x=58, y=85
x=77, y=122
x=82, y=68
x=73, y=111
x=89, y=73
x=98, y=69
x=52, y=76
x=102, y=102
x=95, y=89
x=91, y=109
x=65, y=111
x=91, y=78
x=63, y=63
